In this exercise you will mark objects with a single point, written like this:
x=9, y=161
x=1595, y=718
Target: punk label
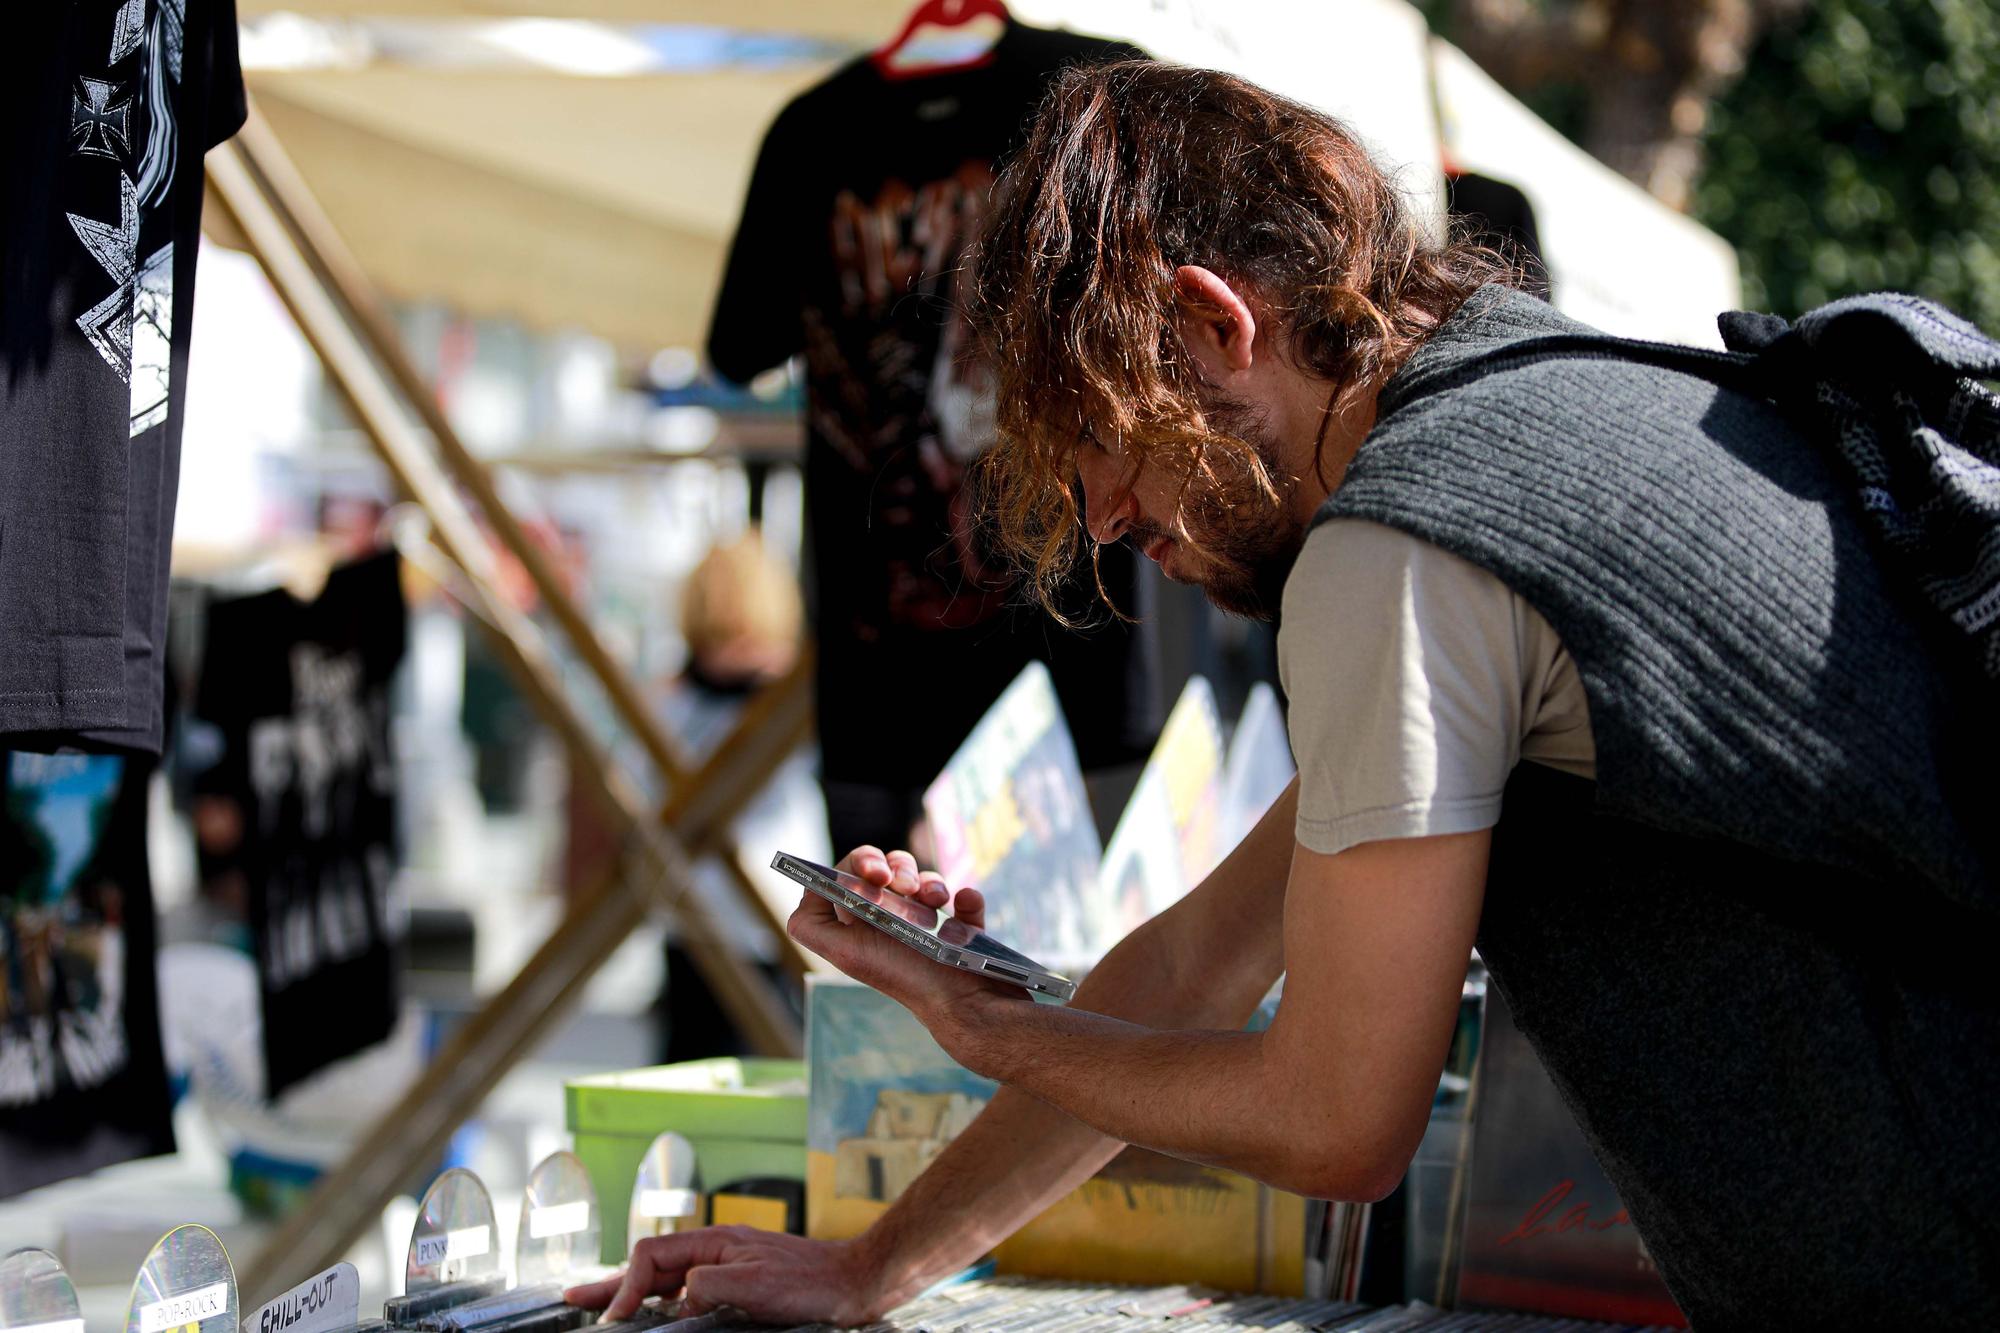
x=465, y=1243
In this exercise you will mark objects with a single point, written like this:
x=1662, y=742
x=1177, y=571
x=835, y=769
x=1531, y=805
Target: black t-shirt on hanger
x=306, y=830
x=106, y=107
x=866, y=193
x=83, y=1082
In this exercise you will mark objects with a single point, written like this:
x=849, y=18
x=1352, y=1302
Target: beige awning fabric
x=563, y=201
x=505, y=186
x=599, y=204
x=435, y=226
x=866, y=22
x=671, y=149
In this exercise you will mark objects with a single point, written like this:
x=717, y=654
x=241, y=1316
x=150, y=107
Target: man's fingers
x=633, y=1290
x=752, y=1284
x=932, y=891
x=903, y=871
x=970, y=907
x=869, y=863
x=659, y=1266
x=593, y=1295
x=811, y=915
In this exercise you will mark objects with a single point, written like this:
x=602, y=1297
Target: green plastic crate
x=744, y=1118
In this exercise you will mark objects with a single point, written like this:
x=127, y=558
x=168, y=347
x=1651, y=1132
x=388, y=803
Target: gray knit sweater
x=1754, y=954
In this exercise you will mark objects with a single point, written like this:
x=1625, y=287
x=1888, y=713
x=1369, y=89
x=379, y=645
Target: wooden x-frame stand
x=260, y=192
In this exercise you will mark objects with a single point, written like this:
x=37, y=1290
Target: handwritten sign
x=321, y=1304
x=1536, y=1221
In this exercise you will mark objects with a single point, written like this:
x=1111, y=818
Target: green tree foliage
x=1861, y=151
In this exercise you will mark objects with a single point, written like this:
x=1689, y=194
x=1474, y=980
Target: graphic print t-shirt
x=83, y=1083
x=865, y=195
x=106, y=107
x=300, y=813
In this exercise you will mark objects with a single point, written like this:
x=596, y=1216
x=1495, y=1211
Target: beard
x=1239, y=540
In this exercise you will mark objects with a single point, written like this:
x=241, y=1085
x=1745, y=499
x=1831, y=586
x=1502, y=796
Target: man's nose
x=1108, y=506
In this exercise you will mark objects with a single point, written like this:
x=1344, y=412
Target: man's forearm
x=1016, y=1159
x=1181, y=970
x=1202, y=1096
x=1333, y=1098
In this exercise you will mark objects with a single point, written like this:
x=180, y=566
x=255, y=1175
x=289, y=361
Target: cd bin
x=744, y=1118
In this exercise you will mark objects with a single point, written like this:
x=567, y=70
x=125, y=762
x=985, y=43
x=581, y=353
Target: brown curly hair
x=1131, y=170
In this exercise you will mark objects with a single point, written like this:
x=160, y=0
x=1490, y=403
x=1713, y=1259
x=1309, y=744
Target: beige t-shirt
x=1417, y=681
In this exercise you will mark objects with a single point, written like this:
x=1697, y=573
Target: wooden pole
x=322, y=248
x=351, y=1197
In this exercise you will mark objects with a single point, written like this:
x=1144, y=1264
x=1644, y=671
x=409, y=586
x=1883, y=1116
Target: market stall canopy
x=467, y=191
x=1617, y=257
x=865, y=22
x=580, y=163
x=558, y=198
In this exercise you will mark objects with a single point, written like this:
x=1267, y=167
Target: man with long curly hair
x=1590, y=665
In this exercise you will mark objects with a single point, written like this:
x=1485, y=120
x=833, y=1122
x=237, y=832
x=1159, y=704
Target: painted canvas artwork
x=1010, y=817
x=885, y=1100
x=1170, y=835
x=1259, y=767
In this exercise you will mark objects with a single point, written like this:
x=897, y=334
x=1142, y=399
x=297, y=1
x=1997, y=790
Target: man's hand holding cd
x=949, y=1001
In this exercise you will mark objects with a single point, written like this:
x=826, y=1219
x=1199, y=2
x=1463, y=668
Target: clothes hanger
x=937, y=14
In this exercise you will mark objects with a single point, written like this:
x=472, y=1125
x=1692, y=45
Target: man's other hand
x=951, y=1002
x=768, y=1275
x=897, y=872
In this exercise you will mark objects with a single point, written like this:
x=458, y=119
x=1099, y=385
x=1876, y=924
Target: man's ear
x=1216, y=323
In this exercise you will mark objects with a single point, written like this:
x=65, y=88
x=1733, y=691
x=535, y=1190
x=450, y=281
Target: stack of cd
x=1006, y=1304
x=454, y=1286
x=1014, y=1305
x=411, y=1310
x=532, y=1309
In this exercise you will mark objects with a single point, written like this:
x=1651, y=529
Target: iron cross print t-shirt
x=866, y=193
x=106, y=107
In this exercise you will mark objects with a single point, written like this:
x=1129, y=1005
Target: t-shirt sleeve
x=756, y=321
x=1414, y=677
x=227, y=104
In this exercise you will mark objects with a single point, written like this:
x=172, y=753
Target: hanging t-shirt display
x=106, y=107
x=83, y=1083
x=866, y=193
x=300, y=809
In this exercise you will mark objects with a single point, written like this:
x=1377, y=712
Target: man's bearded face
x=1243, y=543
